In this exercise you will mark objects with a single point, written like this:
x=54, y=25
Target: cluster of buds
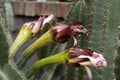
x=60, y=33
x=28, y=31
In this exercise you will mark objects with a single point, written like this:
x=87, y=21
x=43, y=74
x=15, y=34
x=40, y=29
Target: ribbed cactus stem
x=117, y=59
x=91, y=5
x=98, y=22
x=9, y=14
x=3, y=38
x=105, y=24
x=75, y=14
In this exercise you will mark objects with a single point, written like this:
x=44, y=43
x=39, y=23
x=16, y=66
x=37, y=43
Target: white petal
x=88, y=72
x=48, y=19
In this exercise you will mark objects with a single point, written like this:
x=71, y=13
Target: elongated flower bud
x=36, y=26
x=62, y=32
x=75, y=57
x=85, y=57
x=28, y=31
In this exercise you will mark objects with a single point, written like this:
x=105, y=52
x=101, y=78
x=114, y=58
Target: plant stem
x=45, y=39
x=59, y=58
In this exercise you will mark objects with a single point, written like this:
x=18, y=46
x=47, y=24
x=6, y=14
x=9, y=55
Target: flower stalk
x=55, y=59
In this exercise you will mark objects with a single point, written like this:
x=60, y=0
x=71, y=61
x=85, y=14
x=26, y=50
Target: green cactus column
x=77, y=13
x=3, y=39
x=113, y=23
x=117, y=57
x=98, y=34
x=105, y=21
x=7, y=72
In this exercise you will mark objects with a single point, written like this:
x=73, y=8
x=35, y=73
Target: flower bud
x=28, y=31
x=36, y=26
x=85, y=57
x=62, y=32
x=74, y=57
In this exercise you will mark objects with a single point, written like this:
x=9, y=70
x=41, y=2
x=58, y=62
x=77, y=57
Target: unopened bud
x=85, y=57
x=36, y=26
x=62, y=32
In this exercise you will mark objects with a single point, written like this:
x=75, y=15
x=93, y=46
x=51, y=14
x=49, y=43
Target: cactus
x=117, y=57
x=6, y=70
x=115, y=20
x=116, y=65
x=3, y=41
x=76, y=13
x=103, y=34
x=9, y=14
x=100, y=17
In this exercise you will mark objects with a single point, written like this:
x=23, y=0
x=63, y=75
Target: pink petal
x=97, y=60
x=88, y=72
x=48, y=19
